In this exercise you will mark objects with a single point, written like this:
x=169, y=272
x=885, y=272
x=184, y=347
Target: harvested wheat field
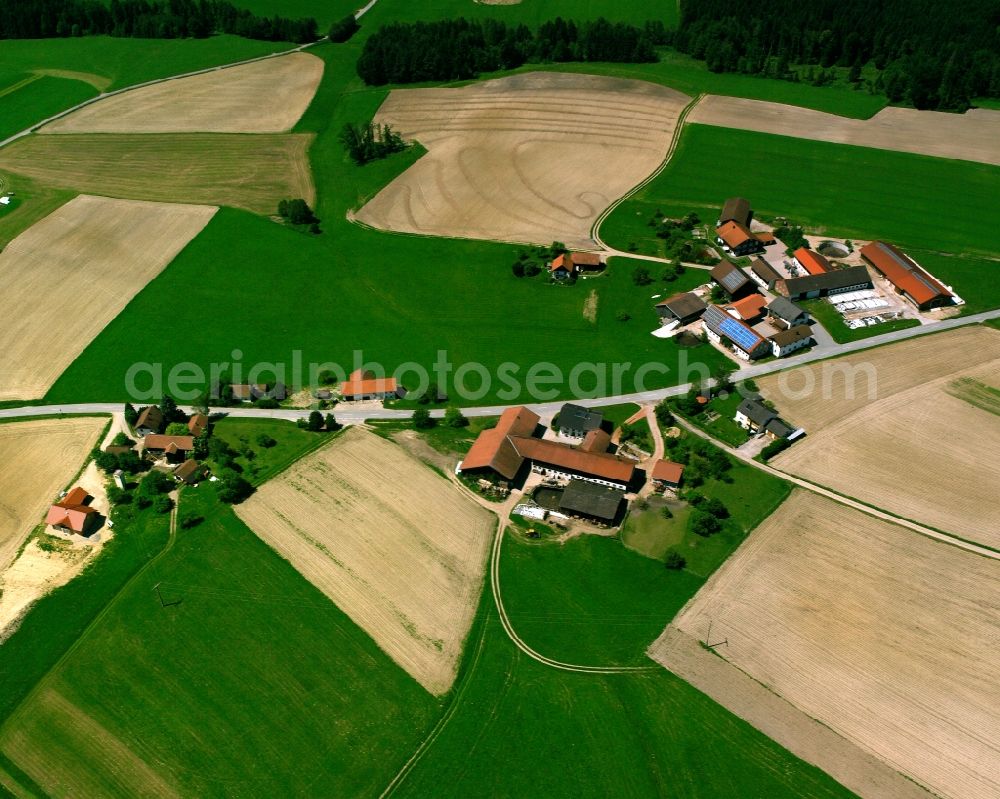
x=266, y=96
x=529, y=158
x=887, y=637
x=251, y=172
x=972, y=136
x=917, y=448
x=396, y=546
x=38, y=459
x=66, y=277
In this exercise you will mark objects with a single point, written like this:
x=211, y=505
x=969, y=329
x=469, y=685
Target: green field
x=24, y=103
x=830, y=188
x=32, y=201
x=724, y=427
x=250, y=683
x=290, y=444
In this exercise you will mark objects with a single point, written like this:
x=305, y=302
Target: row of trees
x=459, y=49
x=151, y=19
x=929, y=55
x=369, y=142
x=297, y=213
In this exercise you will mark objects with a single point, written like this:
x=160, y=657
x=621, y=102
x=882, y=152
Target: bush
x=370, y=142
x=266, y=402
x=422, y=419
x=776, y=446
x=233, y=488
x=122, y=440
x=343, y=29
x=189, y=520
x=531, y=269
x=641, y=276
x=177, y=429
x=453, y=418
x=131, y=414
x=163, y=504
x=666, y=513
x=297, y=212
x=332, y=425
x=703, y=524
x=315, y=423
x=517, y=268
x=674, y=561
x=623, y=316
x=265, y=441
x=663, y=414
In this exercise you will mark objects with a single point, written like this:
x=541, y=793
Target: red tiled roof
x=170, y=444
x=595, y=441
x=492, y=448
x=75, y=497
x=765, y=236
x=749, y=307
x=606, y=467
x=812, y=262
x=562, y=261
x=667, y=470
x=733, y=233
x=70, y=511
x=903, y=272
x=586, y=259
x=150, y=416
x=197, y=424
x=359, y=388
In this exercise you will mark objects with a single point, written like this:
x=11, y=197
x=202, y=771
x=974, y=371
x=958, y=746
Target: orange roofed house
x=569, y=264
x=812, y=262
x=505, y=450
x=667, y=474
x=72, y=514
x=174, y=448
x=363, y=385
x=918, y=287
x=749, y=309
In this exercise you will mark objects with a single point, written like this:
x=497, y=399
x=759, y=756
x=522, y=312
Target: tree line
x=459, y=49
x=369, y=142
x=150, y=19
x=930, y=55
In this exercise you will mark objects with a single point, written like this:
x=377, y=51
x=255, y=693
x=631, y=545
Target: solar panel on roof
x=733, y=280
x=743, y=337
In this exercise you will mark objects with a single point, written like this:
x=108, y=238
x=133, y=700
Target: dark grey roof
x=785, y=309
x=730, y=277
x=576, y=417
x=778, y=428
x=736, y=209
x=683, y=305
x=582, y=496
x=829, y=281
x=764, y=270
x=722, y=324
x=793, y=334
x=756, y=412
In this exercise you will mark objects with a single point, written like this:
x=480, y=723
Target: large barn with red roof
x=909, y=280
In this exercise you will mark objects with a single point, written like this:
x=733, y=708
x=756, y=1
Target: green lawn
x=831, y=320
x=253, y=683
x=649, y=534
x=724, y=427
x=866, y=193
x=291, y=443
x=39, y=100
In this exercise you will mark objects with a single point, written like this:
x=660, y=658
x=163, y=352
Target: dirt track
x=972, y=136
x=886, y=637
x=66, y=277
x=914, y=449
x=533, y=157
x=398, y=548
x=262, y=97
x=37, y=458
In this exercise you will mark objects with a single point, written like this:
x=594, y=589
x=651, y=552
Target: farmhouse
x=570, y=264
x=738, y=239
x=746, y=342
x=755, y=417
x=790, y=340
x=682, y=308
x=749, y=309
x=854, y=278
x=733, y=280
x=189, y=472
x=666, y=474
x=735, y=209
x=504, y=450
x=784, y=313
x=576, y=421
x=73, y=514
x=246, y=392
x=763, y=274
x=591, y=501
x=362, y=384
x=197, y=424
x=812, y=262
x=150, y=421
x=174, y=448
x=918, y=287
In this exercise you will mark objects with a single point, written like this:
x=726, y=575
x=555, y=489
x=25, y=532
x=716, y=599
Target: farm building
x=173, y=448
x=595, y=441
x=746, y=342
x=738, y=239
x=735, y=209
x=765, y=237
x=682, y=308
x=246, y=392
x=363, y=385
x=909, y=280
x=569, y=265
x=755, y=417
x=749, y=309
x=733, y=280
x=73, y=514
x=150, y=421
x=506, y=448
x=189, y=472
x=576, y=421
x=790, y=340
x=853, y=278
x=591, y=501
x=784, y=313
x=666, y=474
x=811, y=261
x=763, y=274
x=197, y=424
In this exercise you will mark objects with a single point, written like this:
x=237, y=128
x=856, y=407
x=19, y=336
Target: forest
x=151, y=19
x=932, y=55
x=460, y=49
